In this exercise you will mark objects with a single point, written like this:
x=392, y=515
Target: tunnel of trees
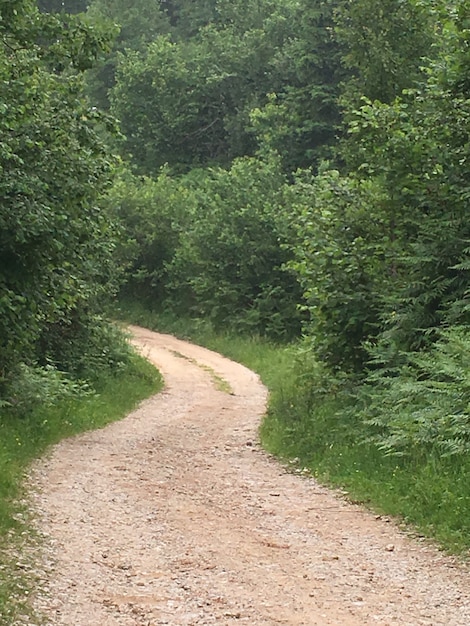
x=281, y=167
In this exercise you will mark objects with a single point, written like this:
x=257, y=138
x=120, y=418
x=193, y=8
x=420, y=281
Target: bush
x=231, y=266
x=85, y=347
x=42, y=386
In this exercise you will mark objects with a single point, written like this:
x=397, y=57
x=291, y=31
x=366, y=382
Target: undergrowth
x=312, y=422
x=26, y=434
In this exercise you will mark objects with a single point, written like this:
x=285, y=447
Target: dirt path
x=175, y=516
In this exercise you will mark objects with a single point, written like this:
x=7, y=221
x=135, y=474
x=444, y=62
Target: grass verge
x=24, y=439
x=430, y=495
x=319, y=432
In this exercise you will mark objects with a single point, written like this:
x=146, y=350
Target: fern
x=424, y=405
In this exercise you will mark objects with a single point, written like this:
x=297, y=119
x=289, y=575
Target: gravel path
x=175, y=516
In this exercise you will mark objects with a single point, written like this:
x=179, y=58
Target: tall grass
x=25, y=438
x=311, y=421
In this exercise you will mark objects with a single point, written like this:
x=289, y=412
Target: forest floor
x=176, y=516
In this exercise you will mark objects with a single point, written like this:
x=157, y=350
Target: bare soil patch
x=176, y=516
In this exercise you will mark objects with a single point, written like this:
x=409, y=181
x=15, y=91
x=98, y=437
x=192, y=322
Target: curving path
x=175, y=516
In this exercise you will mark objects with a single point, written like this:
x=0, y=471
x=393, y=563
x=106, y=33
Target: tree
x=56, y=6
x=187, y=18
x=301, y=118
x=155, y=214
x=55, y=242
x=137, y=23
x=371, y=259
x=341, y=258
x=263, y=75
x=230, y=266
x=183, y=103
x=385, y=42
x=383, y=250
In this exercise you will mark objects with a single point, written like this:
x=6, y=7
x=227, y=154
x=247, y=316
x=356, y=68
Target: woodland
x=288, y=169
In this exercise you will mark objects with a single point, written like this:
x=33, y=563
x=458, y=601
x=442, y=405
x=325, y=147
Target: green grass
x=24, y=439
x=431, y=495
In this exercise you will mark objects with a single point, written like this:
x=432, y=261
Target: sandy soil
x=175, y=516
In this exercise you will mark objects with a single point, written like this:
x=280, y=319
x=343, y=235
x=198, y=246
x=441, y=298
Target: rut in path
x=175, y=516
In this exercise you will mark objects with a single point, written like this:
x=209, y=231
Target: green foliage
x=137, y=23
x=369, y=249
x=218, y=91
x=167, y=111
x=182, y=103
x=187, y=18
x=342, y=260
x=56, y=244
x=211, y=244
x=42, y=386
x=231, y=264
x=85, y=346
x=301, y=117
x=56, y=6
x=154, y=214
x=385, y=42
x=74, y=362
x=415, y=147
x=422, y=407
